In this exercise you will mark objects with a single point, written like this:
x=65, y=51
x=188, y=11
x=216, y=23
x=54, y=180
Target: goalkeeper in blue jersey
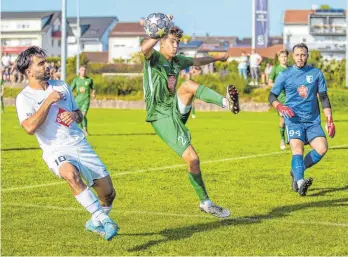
x=302, y=84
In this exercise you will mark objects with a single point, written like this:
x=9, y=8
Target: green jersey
x=83, y=88
x=160, y=78
x=273, y=75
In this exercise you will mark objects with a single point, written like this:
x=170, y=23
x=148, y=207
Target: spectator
x=2, y=95
x=267, y=71
x=255, y=60
x=243, y=65
x=6, y=60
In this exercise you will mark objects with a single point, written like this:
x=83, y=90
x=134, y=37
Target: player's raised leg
x=190, y=88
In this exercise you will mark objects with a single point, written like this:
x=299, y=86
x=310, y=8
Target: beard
x=43, y=76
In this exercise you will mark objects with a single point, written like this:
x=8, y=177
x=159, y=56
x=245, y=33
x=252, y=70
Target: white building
x=19, y=30
x=94, y=34
x=322, y=30
x=125, y=40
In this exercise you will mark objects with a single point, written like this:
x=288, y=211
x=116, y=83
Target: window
x=59, y=43
x=52, y=42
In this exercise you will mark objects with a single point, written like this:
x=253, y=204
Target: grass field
x=156, y=207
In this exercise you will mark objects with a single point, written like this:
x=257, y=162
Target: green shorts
x=83, y=106
x=173, y=131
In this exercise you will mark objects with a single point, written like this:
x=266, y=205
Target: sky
x=215, y=17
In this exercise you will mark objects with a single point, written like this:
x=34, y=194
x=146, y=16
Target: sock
x=198, y=185
x=95, y=220
x=91, y=203
x=193, y=110
x=282, y=133
x=84, y=122
x=107, y=209
x=312, y=158
x=209, y=96
x=299, y=183
x=297, y=166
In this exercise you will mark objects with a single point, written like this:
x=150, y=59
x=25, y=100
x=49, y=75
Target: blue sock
x=297, y=166
x=312, y=158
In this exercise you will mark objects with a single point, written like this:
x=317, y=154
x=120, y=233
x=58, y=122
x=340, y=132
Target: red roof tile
x=94, y=57
x=297, y=16
x=268, y=52
x=128, y=29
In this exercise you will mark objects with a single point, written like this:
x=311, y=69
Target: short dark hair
x=283, y=51
x=24, y=59
x=301, y=45
x=176, y=31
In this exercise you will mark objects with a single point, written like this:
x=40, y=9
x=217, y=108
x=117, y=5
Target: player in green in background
x=276, y=70
x=84, y=93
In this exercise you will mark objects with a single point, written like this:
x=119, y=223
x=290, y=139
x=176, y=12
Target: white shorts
x=82, y=156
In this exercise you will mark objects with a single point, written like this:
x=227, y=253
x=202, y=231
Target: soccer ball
x=157, y=25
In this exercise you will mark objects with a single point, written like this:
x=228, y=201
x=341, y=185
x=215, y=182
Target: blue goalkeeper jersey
x=301, y=87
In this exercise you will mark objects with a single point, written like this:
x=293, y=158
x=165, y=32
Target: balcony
x=327, y=29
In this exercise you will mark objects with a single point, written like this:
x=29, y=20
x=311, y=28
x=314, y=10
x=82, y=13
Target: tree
x=325, y=7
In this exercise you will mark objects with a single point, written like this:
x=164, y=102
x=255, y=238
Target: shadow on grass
x=20, y=149
x=188, y=231
x=324, y=191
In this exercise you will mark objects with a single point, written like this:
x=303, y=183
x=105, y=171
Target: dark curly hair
x=25, y=58
x=176, y=31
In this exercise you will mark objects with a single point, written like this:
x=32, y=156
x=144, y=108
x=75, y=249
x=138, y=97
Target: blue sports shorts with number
x=306, y=132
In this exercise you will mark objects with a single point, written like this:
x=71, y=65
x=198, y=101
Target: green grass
x=157, y=210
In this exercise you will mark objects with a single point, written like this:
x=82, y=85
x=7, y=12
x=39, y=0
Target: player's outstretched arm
x=209, y=59
x=147, y=47
x=33, y=122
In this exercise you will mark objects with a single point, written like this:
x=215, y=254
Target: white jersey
x=53, y=132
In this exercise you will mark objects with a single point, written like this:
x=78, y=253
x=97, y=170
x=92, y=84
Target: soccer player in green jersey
x=276, y=70
x=168, y=107
x=84, y=86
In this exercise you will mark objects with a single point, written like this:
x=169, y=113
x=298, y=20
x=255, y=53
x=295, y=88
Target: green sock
x=198, y=185
x=209, y=96
x=193, y=110
x=282, y=133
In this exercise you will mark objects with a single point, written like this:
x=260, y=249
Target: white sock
x=207, y=203
x=107, y=209
x=224, y=102
x=91, y=203
x=300, y=182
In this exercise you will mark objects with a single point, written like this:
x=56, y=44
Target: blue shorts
x=306, y=132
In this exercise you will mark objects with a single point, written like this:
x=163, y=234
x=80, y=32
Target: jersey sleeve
x=74, y=106
x=153, y=59
x=24, y=107
x=321, y=83
x=279, y=84
x=184, y=62
x=272, y=75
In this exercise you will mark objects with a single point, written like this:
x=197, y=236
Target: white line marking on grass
x=57, y=208
x=164, y=168
x=32, y=186
x=204, y=162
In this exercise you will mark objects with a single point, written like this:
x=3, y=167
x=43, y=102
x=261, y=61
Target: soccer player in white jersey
x=47, y=109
